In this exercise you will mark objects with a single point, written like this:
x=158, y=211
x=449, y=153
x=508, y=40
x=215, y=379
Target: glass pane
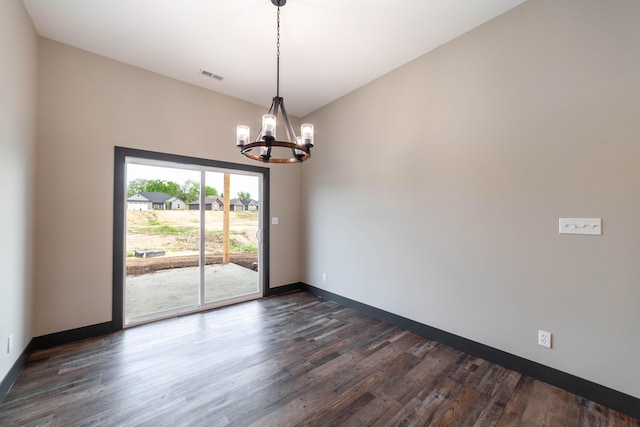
x=231, y=245
x=162, y=241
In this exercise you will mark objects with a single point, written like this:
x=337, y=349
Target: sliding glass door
x=162, y=241
x=232, y=237
x=192, y=236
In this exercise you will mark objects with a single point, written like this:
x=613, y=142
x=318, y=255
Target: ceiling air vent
x=211, y=75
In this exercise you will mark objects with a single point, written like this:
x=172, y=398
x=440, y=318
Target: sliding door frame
x=119, y=192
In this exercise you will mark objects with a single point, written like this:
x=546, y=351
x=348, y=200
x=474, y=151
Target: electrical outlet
x=9, y=343
x=544, y=339
x=324, y=277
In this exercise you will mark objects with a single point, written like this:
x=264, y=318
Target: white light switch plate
x=580, y=226
x=274, y=220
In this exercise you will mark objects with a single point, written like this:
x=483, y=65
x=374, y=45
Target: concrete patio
x=179, y=287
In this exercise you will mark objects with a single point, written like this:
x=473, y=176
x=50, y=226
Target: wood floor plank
x=453, y=412
x=501, y=394
x=294, y=359
x=376, y=412
x=517, y=403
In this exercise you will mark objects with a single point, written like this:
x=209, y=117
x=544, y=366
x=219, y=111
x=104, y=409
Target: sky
x=245, y=183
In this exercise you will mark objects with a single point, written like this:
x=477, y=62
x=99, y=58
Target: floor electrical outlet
x=544, y=339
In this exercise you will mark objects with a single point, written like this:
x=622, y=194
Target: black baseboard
x=595, y=392
x=64, y=337
x=14, y=372
x=284, y=289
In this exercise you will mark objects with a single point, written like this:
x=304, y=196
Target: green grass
x=234, y=245
x=168, y=229
x=157, y=227
x=164, y=229
x=237, y=247
x=232, y=232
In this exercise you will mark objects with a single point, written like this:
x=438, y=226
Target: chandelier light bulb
x=306, y=130
x=243, y=135
x=299, y=142
x=269, y=125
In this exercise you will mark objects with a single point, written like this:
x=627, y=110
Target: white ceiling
x=328, y=47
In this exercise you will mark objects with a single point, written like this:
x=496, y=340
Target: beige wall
x=89, y=104
x=18, y=98
x=490, y=139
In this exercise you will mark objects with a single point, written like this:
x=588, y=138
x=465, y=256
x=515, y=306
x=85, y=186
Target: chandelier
x=266, y=141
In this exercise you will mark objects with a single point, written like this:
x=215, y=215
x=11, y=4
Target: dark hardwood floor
x=293, y=359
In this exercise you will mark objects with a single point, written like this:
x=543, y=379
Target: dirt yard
x=177, y=233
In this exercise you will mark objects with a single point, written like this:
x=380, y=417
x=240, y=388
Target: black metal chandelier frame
x=300, y=146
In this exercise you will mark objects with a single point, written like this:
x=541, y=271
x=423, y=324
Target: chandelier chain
x=278, y=57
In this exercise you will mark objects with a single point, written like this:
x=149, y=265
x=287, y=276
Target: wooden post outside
x=225, y=223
